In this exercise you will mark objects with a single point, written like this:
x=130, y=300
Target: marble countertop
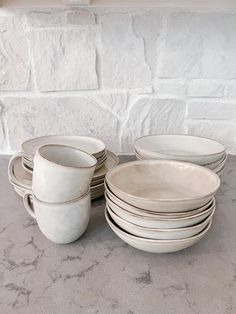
x=101, y=274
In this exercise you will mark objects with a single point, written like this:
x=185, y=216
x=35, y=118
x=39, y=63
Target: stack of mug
x=60, y=200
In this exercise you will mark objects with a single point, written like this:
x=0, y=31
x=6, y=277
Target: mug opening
x=67, y=156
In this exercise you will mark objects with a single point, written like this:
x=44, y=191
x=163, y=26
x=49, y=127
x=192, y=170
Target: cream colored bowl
x=146, y=213
x=195, y=149
x=160, y=221
x=155, y=246
x=159, y=233
x=163, y=186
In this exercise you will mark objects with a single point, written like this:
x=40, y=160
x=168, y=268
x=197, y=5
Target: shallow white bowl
x=159, y=233
x=155, y=246
x=88, y=144
x=198, y=150
x=145, y=213
x=160, y=221
x=163, y=186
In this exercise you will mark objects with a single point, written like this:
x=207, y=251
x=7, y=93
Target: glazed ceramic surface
x=160, y=221
x=91, y=145
x=155, y=246
x=60, y=223
x=188, y=148
x=24, y=178
x=61, y=173
x=153, y=214
x=159, y=233
x=163, y=186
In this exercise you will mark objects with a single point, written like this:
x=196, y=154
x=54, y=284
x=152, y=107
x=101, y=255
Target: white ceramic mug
x=61, y=223
x=61, y=173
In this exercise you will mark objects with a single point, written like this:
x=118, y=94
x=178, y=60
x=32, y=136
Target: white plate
x=89, y=144
x=188, y=148
x=163, y=186
x=155, y=246
x=110, y=163
x=159, y=233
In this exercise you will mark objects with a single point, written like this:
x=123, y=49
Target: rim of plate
x=177, y=200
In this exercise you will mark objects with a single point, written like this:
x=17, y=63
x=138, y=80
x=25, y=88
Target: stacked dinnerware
x=198, y=150
x=160, y=206
x=22, y=165
x=60, y=199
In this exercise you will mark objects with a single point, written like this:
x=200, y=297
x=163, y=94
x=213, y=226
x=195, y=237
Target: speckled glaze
x=101, y=274
x=61, y=223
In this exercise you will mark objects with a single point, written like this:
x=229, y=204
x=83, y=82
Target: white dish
x=221, y=166
x=159, y=221
x=188, y=148
x=159, y=233
x=163, y=186
x=155, y=246
x=145, y=213
x=91, y=145
x=110, y=163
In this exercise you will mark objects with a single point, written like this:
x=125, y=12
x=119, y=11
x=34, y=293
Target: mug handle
x=28, y=205
x=11, y=174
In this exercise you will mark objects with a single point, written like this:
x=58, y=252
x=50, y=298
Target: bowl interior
x=178, y=145
x=163, y=180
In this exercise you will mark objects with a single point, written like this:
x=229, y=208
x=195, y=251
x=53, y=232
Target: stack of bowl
x=160, y=206
x=21, y=167
x=198, y=150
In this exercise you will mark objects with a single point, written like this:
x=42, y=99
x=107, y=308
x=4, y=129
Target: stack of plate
x=23, y=165
x=160, y=206
x=198, y=150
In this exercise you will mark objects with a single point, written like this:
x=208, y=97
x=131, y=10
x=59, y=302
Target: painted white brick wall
x=117, y=74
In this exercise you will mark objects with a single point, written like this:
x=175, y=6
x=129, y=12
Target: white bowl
x=155, y=246
x=160, y=221
x=163, y=186
x=146, y=213
x=88, y=144
x=188, y=148
x=159, y=233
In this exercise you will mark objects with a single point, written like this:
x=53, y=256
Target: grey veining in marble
x=101, y=274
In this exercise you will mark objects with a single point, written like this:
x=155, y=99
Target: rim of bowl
x=71, y=148
x=182, y=135
x=114, y=225
x=62, y=203
x=161, y=200
x=107, y=191
x=210, y=207
x=207, y=219
x=68, y=136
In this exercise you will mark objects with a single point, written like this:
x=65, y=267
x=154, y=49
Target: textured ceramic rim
x=140, y=162
x=116, y=227
x=103, y=146
x=207, y=219
x=183, y=155
x=169, y=219
x=151, y=213
x=70, y=148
